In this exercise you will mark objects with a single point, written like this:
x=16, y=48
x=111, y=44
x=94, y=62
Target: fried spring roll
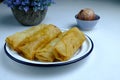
x=69, y=44
x=46, y=54
x=44, y=37
x=20, y=38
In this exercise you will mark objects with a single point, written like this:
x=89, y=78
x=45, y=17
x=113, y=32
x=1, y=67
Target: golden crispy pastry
x=46, y=43
x=69, y=44
x=20, y=38
x=47, y=53
x=39, y=41
x=61, y=48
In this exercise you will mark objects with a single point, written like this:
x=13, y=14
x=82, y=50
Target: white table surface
x=102, y=64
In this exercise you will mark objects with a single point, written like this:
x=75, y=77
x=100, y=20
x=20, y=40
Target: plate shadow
x=33, y=72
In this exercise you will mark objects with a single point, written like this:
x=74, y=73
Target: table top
x=102, y=64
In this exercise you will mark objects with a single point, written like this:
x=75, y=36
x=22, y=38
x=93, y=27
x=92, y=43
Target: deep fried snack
x=39, y=41
x=61, y=48
x=46, y=54
x=20, y=38
x=46, y=43
x=69, y=44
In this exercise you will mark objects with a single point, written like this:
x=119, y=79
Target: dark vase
x=29, y=18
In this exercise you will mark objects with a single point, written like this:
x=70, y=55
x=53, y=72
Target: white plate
x=83, y=52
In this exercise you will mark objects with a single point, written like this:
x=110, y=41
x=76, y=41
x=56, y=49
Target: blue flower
x=27, y=4
x=17, y=2
x=26, y=8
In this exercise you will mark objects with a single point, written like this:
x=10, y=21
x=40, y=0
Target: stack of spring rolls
x=46, y=43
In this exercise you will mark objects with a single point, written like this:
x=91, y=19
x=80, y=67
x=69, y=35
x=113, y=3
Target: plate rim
x=51, y=65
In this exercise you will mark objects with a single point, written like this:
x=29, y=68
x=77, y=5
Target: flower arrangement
x=27, y=4
x=29, y=12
